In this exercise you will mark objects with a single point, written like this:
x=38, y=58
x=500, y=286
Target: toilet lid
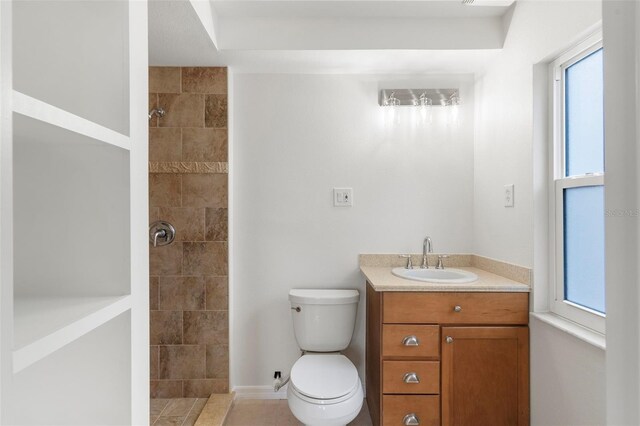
x=324, y=376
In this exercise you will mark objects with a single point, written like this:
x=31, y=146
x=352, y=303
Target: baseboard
x=259, y=392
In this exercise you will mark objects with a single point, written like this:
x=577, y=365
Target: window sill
x=586, y=335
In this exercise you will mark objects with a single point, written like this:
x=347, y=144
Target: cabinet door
x=485, y=376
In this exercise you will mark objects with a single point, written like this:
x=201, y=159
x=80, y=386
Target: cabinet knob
x=411, y=378
x=410, y=341
x=457, y=308
x=449, y=339
x=411, y=420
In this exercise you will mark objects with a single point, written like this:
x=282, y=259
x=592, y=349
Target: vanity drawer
x=456, y=308
x=410, y=340
x=411, y=377
x=396, y=408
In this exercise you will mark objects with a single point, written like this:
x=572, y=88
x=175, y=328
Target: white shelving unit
x=38, y=110
x=44, y=325
x=73, y=213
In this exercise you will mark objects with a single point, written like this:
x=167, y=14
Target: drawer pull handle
x=411, y=420
x=449, y=339
x=457, y=308
x=410, y=341
x=411, y=378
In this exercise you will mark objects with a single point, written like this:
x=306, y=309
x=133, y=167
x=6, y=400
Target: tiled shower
x=188, y=187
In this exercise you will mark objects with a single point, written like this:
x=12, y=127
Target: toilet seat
x=324, y=378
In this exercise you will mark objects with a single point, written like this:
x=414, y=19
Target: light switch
x=508, y=195
x=342, y=197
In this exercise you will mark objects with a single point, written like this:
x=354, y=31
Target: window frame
x=582, y=315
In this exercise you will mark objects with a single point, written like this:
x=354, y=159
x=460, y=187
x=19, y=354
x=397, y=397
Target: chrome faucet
x=160, y=233
x=426, y=248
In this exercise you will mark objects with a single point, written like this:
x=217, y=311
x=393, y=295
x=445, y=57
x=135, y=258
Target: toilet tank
x=323, y=320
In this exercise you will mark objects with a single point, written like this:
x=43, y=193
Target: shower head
x=159, y=112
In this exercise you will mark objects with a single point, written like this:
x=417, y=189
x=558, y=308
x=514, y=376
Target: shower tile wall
x=188, y=188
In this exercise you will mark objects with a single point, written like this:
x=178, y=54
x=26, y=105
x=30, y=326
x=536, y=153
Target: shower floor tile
x=176, y=411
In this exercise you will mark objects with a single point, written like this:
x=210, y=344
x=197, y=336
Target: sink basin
x=448, y=275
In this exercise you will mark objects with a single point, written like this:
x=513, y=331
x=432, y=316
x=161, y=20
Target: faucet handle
x=440, y=265
x=408, y=257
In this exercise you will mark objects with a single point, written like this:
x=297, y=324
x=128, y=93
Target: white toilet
x=324, y=387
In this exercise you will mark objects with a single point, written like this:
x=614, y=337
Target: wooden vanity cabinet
x=447, y=358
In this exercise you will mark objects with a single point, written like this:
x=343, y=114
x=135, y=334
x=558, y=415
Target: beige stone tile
x=190, y=420
x=217, y=293
x=153, y=363
x=216, y=224
x=220, y=399
x=204, y=80
x=198, y=406
x=153, y=293
x=153, y=104
x=178, y=407
x=164, y=79
x=166, y=260
x=182, y=110
x=182, y=293
x=157, y=405
x=275, y=412
x=206, y=327
x=204, y=190
x=284, y=415
x=208, y=258
x=153, y=214
x=204, y=144
x=204, y=388
x=216, y=410
x=188, y=222
x=217, y=361
x=211, y=167
x=165, y=190
x=253, y=412
x=165, y=144
x=170, y=421
x=182, y=362
x=166, y=328
x=166, y=388
x=215, y=111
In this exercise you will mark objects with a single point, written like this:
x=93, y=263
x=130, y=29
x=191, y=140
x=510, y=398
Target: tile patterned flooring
x=275, y=412
x=176, y=411
x=244, y=412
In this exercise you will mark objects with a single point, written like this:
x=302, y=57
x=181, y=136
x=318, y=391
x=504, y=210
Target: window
x=578, y=185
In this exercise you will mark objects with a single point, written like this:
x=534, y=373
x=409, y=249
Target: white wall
x=295, y=138
x=567, y=378
x=621, y=22
x=567, y=375
x=504, y=125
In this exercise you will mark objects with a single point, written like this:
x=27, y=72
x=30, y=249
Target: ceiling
x=355, y=9
x=299, y=36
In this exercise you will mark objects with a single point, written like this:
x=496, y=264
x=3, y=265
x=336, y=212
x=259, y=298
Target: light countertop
x=382, y=279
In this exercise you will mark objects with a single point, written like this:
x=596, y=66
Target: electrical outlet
x=342, y=197
x=508, y=195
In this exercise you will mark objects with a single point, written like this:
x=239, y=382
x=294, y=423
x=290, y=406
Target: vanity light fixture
x=391, y=100
x=454, y=99
x=418, y=97
x=424, y=100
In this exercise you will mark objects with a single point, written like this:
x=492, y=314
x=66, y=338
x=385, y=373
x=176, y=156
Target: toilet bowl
x=324, y=386
x=324, y=390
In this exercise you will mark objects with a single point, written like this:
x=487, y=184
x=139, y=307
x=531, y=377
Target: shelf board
x=42, y=325
x=42, y=111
